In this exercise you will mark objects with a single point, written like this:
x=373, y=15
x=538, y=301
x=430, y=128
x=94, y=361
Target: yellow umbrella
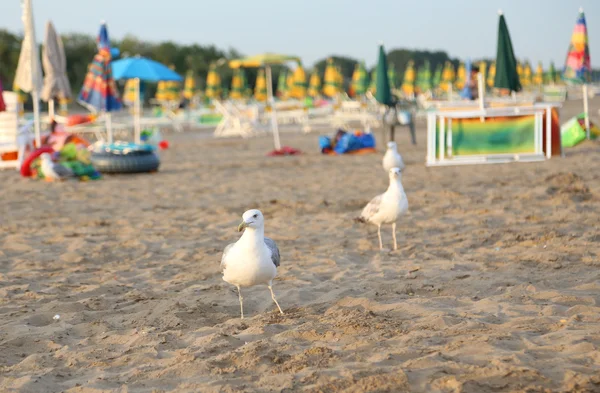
x=260, y=87
x=408, y=82
x=461, y=77
x=339, y=77
x=314, y=86
x=213, y=83
x=491, y=75
x=527, y=73
x=538, y=78
x=483, y=70
x=237, y=85
x=189, y=85
x=289, y=83
x=131, y=91
x=330, y=80
x=298, y=90
x=447, y=76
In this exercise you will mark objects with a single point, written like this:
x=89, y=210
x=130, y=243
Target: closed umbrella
x=56, y=83
x=578, y=65
x=408, y=82
x=461, y=76
x=360, y=80
x=392, y=75
x=448, y=76
x=437, y=76
x=373, y=84
x=538, y=77
x=260, y=87
x=425, y=84
x=507, y=76
x=213, y=83
x=131, y=91
x=384, y=93
x=491, y=75
x=189, y=85
x=330, y=80
x=28, y=76
x=527, y=75
x=99, y=91
x=300, y=84
x=237, y=85
x=314, y=84
x=282, y=84
x=466, y=90
x=552, y=74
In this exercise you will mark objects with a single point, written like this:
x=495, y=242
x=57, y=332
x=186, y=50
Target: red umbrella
x=2, y=105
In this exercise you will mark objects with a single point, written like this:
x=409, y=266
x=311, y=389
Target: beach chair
x=236, y=121
x=14, y=140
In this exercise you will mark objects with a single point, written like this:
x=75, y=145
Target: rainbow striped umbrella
x=331, y=79
x=360, y=80
x=213, y=83
x=300, y=84
x=189, y=85
x=237, y=85
x=314, y=85
x=260, y=87
x=408, y=82
x=99, y=90
x=538, y=77
x=578, y=65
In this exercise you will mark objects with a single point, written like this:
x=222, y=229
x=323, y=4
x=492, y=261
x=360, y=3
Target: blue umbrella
x=466, y=91
x=143, y=69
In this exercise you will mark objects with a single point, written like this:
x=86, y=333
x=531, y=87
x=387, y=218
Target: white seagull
x=253, y=259
x=54, y=170
x=392, y=159
x=387, y=207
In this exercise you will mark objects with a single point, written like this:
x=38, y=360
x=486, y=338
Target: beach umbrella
x=260, y=86
x=2, y=104
x=339, y=78
x=437, y=76
x=360, y=82
x=267, y=60
x=520, y=71
x=28, y=76
x=408, y=82
x=483, y=70
x=99, y=91
x=491, y=75
x=314, y=85
x=425, y=84
x=551, y=74
x=506, y=64
x=527, y=75
x=300, y=84
x=392, y=75
x=289, y=84
x=189, y=85
x=447, y=76
x=246, y=90
x=373, y=84
x=130, y=92
x=282, y=84
x=461, y=76
x=538, y=77
x=237, y=85
x=56, y=83
x=330, y=79
x=383, y=94
x=578, y=65
x=213, y=83
x=466, y=90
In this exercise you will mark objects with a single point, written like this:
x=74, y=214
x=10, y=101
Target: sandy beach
x=495, y=286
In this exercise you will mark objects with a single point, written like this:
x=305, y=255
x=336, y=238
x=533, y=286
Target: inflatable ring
x=26, y=166
x=135, y=161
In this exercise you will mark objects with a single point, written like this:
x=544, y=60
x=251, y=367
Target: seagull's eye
x=255, y=216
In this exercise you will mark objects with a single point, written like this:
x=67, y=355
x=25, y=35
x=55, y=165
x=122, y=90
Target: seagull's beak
x=243, y=225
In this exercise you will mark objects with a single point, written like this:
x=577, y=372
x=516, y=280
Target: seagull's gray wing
x=62, y=171
x=372, y=208
x=225, y=251
x=274, y=251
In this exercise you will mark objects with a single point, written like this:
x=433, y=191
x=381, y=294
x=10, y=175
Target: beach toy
x=163, y=145
x=26, y=170
x=123, y=157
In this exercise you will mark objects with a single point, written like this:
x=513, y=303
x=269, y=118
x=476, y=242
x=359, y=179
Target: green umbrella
x=437, y=76
x=507, y=76
x=552, y=73
x=426, y=77
x=383, y=93
x=282, y=87
x=392, y=76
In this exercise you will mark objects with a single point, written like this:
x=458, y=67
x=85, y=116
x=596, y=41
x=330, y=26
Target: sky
x=314, y=29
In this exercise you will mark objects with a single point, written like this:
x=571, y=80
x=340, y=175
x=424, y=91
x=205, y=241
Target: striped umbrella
x=247, y=90
x=491, y=75
x=99, y=91
x=282, y=86
x=461, y=76
x=392, y=75
x=437, y=76
x=314, y=85
x=167, y=91
x=213, y=83
x=300, y=83
x=408, y=82
x=373, y=85
x=237, y=85
x=289, y=84
x=360, y=81
x=551, y=74
x=527, y=75
x=260, y=87
x=425, y=83
x=189, y=85
x=330, y=80
x=538, y=77
x=447, y=76
x=130, y=91
x=578, y=65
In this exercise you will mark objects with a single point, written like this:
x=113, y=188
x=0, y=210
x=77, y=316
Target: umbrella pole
x=271, y=101
x=36, y=118
x=586, y=111
x=137, y=125
x=51, y=108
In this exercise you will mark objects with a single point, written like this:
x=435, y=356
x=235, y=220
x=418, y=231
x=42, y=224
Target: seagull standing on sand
x=387, y=207
x=392, y=159
x=253, y=259
x=52, y=170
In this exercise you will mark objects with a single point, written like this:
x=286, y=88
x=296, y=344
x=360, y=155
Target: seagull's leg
x=379, y=235
x=241, y=301
x=394, y=235
x=275, y=300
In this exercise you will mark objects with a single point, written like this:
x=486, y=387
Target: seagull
x=253, y=259
x=52, y=170
x=392, y=159
x=387, y=207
